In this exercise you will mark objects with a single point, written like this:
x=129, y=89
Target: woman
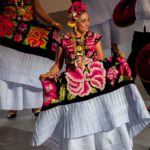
x=94, y=104
x=24, y=44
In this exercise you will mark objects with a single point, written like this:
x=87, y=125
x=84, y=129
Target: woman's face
x=83, y=23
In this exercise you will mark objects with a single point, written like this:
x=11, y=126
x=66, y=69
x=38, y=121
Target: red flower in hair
x=76, y=9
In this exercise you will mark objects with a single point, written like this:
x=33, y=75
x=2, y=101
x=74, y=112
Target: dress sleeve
x=57, y=38
x=97, y=37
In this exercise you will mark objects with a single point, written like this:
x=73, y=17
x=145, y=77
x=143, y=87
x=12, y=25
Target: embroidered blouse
x=69, y=45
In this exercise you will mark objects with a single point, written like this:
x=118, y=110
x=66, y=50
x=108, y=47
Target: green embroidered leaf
x=70, y=96
x=55, y=101
x=124, y=78
x=121, y=79
x=93, y=91
x=62, y=93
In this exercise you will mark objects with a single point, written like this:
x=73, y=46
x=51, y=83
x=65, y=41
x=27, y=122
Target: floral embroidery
x=9, y=12
x=50, y=89
x=18, y=37
x=37, y=37
x=80, y=80
x=112, y=73
x=124, y=68
x=29, y=14
x=6, y=27
x=22, y=27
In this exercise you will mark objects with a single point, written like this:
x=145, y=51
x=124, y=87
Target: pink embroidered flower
x=125, y=70
x=112, y=73
x=49, y=91
x=80, y=80
x=97, y=37
x=97, y=75
x=23, y=27
x=76, y=84
x=18, y=37
x=89, y=53
x=54, y=47
x=68, y=44
x=124, y=67
x=110, y=59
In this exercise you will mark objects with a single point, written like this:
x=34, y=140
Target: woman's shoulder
x=94, y=35
x=66, y=35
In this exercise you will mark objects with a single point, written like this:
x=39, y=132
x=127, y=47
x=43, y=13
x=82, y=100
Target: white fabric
x=65, y=125
x=142, y=11
x=14, y=96
x=22, y=68
x=101, y=21
x=19, y=79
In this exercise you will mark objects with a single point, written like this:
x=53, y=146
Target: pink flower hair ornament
x=74, y=11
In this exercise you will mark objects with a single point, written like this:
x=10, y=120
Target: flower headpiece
x=74, y=11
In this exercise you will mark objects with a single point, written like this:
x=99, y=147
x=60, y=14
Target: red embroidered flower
x=18, y=37
x=9, y=12
x=29, y=14
x=37, y=37
x=6, y=26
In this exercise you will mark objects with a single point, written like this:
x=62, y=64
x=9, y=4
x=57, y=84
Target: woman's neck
x=79, y=34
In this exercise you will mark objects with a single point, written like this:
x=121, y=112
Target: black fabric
x=48, y=53
x=140, y=39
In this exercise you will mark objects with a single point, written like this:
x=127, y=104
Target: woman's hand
x=121, y=54
x=46, y=75
x=57, y=25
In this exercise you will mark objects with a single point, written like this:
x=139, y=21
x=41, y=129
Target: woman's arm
x=115, y=50
x=99, y=50
x=57, y=66
x=39, y=10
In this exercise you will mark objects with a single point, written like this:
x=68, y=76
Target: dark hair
x=75, y=1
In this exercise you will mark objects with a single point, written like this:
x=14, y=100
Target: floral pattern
x=37, y=37
x=88, y=77
x=50, y=89
x=6, y=27
x=29, y=35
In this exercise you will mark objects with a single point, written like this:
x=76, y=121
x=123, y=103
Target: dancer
x=24, y=54
x=93, y=105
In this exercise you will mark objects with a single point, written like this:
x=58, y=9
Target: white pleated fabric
x=19, y=79
x=101, y=21
x=109, y=121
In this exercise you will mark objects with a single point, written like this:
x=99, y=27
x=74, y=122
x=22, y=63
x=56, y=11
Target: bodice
x=9, y=10
x=74, y=58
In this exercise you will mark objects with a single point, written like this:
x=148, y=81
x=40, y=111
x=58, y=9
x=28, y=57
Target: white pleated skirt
x=106, y=122
x=20, y=86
